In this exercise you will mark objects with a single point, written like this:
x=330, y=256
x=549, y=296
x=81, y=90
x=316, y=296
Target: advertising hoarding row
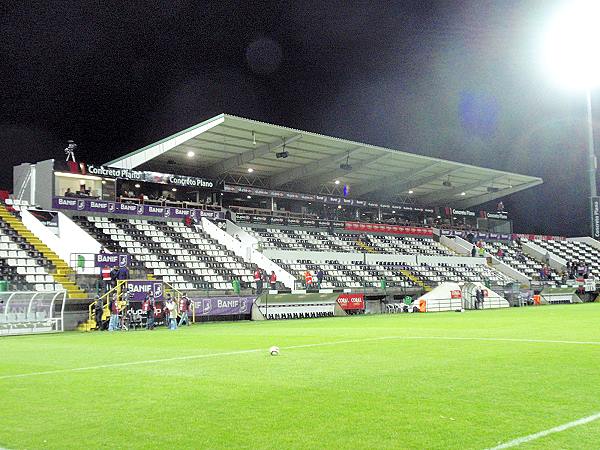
x=132, y=209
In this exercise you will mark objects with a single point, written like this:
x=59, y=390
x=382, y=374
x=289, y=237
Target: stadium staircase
x=62, y=271
x=365, y=247
x=412, y=277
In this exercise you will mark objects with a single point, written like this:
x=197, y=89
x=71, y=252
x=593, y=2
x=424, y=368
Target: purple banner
x=140, y=288
x=101, y=206
x=111, y=259
x=223, y=306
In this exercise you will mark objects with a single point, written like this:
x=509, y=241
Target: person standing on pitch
x=184, y=307
x=149, y=306
x=99, y=311
x=172, y=307
x=167, y=311
x=113, y=306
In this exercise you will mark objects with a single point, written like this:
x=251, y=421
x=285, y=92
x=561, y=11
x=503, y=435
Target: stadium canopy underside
x=225, y=147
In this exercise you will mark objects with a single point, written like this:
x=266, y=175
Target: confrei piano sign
x=595, y=217
x=149, y=177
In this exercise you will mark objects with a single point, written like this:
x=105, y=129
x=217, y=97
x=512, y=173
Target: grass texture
x=412, y=381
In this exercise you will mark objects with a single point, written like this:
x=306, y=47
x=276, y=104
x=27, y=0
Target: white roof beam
x=233, y=162
x=338, y=172
x=446, y=193
x=401, y=181
x=148, y=153
x=308, y=170
x=478, y=200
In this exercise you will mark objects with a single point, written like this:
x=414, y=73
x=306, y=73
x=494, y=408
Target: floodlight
x=572, y=44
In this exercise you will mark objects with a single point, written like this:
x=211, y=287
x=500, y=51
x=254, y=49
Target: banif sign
x=111, y=260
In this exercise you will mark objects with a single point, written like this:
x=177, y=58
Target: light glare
x=572, y=45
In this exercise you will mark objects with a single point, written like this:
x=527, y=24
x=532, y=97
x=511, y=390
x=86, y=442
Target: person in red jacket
x=273, y=280
x=258, y=280
x=308, y=281
x=106, y=278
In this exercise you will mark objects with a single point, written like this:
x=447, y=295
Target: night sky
x=460, y=80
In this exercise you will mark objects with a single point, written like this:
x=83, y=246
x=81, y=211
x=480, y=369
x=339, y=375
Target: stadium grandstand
x=234, y=208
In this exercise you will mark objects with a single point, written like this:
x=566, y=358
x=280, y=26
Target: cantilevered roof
x=227, y=146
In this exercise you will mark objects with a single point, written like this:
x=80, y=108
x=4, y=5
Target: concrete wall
x=457, y=244
x=544, y=256
x=71, y=239
x=21, y=181
x=587, y=240
x=463, y=246
x=247, y=253
x=44, y=184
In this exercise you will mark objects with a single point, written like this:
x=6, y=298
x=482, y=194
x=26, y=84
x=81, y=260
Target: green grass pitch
x=390, y=381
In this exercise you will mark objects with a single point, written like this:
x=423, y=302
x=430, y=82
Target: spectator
x=481, y=251
x=308, y=281
x=258, y=281
x=474, y=251
x=68, y=193
x=106, y=278
x=236, y=237
x=564, y=277
x=122, y=273
x=113, y=277
x=320, y=275
x=500, y=253
x=581, y=269
x=273, y=280
x=187, y=221
x=184, y=307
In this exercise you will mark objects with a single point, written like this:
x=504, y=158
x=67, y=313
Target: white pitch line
x=318, y=344
x=558, y=429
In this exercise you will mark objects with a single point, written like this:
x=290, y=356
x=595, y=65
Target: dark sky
x=460, y=80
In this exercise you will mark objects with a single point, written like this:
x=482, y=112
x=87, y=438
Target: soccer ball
x=462, y=309
x=274, y=351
